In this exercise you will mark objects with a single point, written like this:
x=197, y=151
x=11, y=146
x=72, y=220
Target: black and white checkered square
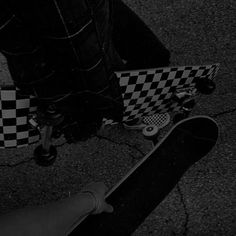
x=160, y=120
x=146, y=92
x=14, y=111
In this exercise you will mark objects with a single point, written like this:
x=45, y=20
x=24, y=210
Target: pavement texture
x=203, y=202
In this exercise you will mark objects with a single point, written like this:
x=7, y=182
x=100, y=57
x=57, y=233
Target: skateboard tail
x=151, y=180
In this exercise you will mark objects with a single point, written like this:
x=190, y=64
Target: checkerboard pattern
x=160, y=120
x=146, y=92
x=15, y=130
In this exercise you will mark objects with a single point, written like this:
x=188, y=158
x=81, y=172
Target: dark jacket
x=59, y=47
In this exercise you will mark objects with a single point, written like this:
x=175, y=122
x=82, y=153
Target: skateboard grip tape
x=147, y=186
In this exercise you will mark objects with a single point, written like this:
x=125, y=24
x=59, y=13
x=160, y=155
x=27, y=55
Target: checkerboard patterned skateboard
x=15, y=130
x=145, y=92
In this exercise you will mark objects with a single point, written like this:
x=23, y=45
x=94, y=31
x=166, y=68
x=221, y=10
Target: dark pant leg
x=134, y=41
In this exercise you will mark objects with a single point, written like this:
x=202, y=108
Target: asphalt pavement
x=196, y=32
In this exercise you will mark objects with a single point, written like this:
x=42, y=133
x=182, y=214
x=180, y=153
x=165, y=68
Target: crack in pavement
x=121, y=143
x=98, y=136
x=17, y=164
x=185, y=226
x=224, y=112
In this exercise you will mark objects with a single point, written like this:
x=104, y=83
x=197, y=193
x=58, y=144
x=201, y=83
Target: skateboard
x=140, y=191
x=15, y=110
x=161, y=90
x=145, y=92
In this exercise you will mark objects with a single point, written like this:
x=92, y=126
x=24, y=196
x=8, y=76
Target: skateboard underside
x=145, y=92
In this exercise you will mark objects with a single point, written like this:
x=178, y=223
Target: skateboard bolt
x=150, y=131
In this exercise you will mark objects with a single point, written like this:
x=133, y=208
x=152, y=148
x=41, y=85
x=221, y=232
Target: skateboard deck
x=150, y=180
x=145, y=92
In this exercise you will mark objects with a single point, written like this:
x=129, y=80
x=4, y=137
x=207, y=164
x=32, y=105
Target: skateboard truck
x=45, y=154
x=45, y=157
x=185, y=110
x=182, y=94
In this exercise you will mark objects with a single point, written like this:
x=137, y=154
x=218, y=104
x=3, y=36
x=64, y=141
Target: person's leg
x=134, y=41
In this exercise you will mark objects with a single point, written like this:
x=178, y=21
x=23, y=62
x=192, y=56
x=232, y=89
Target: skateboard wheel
x=205, y=86
x=44, y=158
x=150, y=131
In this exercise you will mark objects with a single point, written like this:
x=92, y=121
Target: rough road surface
x=203, y=203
